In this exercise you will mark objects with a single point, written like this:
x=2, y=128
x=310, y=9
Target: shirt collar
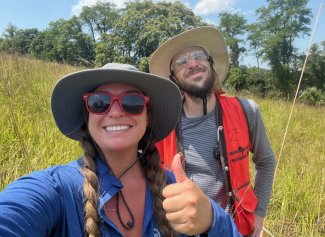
x=109, y=185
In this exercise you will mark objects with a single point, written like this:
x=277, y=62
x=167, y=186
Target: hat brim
x=69, y=110
x=207, y=37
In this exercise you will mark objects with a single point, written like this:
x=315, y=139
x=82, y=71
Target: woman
x=117, y=113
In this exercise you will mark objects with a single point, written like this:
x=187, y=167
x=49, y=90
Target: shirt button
x=226, y=168
x=230, y=194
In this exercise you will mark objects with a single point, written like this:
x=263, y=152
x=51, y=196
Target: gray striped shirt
x=199, y=141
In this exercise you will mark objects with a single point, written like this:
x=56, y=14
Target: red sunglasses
x=101, y=102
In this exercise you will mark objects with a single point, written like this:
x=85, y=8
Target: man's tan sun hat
x=206, y=37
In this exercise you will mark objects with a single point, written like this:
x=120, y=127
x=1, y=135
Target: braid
x=91, y=186
x=157, y=181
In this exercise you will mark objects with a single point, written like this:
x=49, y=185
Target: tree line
x=103, y=33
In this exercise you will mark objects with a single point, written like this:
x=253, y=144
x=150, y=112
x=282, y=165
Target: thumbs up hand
x=188, y=209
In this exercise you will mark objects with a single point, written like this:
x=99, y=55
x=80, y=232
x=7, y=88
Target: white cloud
x=206, y=7
x=76, y=9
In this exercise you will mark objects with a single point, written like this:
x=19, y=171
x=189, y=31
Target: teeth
x=117, y=128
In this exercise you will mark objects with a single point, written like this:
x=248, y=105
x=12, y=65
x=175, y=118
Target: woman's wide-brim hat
x=69, y=110
x=206, y=37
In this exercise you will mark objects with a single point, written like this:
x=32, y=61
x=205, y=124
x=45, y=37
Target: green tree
x=8, y=43
x=107, y=51
x=236, y=79
x=23, y=40
x=39, y=46
x=144, y=25
x=233, y=26
x=254, y=36
x=18, y=41
x=64, y=41
x=282, y=21
x=314, y=75
x=99, y=19
x=259, y=81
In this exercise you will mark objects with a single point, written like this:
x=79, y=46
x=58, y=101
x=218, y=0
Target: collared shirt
x=50, y=203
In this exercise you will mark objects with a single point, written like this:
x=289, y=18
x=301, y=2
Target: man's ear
x=211, y=62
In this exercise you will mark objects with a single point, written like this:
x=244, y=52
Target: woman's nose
x=115, y=110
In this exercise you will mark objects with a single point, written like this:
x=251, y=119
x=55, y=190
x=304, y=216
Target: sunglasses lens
x=98, y=103
x=133, y=104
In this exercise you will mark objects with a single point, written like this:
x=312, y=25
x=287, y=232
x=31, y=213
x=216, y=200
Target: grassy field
x=29, y=140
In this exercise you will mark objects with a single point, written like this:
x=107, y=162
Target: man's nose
x=191, y=62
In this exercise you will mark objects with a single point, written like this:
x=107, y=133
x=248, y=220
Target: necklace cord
x=130, y=224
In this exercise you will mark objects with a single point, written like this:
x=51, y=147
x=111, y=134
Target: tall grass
x=29, y=140
x=297, y=205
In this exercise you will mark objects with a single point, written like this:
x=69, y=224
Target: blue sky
x=38, y=14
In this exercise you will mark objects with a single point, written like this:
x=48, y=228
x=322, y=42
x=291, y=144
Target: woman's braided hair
x=156, y=177
x=91, y=185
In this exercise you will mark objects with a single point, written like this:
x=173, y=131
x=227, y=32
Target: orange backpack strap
x=234, y=148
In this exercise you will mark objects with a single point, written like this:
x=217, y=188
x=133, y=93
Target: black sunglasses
x=101, y=102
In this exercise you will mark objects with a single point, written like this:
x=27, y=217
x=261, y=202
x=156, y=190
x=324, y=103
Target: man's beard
x=198, y=91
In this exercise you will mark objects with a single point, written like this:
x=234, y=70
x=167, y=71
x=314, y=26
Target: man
x=216, y=133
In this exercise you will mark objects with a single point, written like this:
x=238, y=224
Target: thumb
x=177, y=168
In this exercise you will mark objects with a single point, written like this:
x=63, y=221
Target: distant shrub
x=259, y=81
x=312, y=96
x=236, y=79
